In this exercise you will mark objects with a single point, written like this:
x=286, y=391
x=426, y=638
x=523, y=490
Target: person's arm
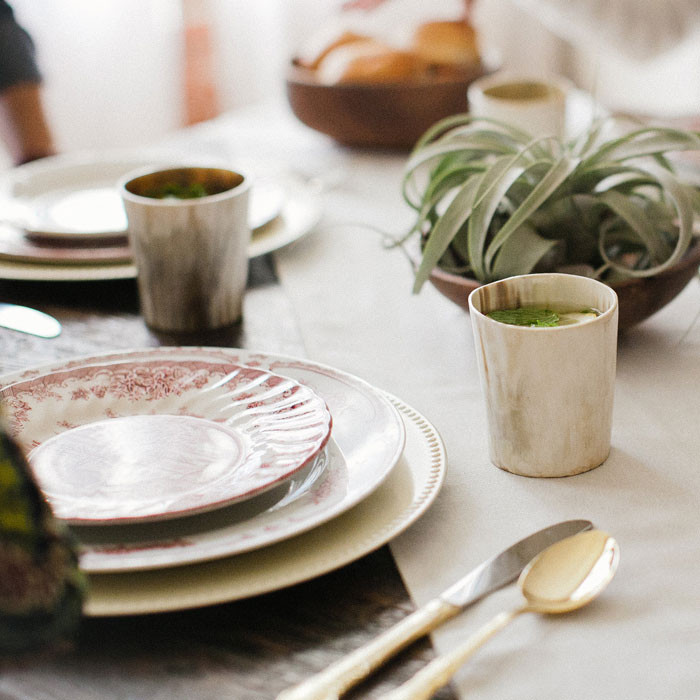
x=23, y=124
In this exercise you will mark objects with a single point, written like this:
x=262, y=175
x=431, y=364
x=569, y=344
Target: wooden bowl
x=638, y=298
x=378, y=115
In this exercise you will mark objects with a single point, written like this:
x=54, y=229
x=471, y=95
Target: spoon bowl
x=564, y=577
x=570, y=573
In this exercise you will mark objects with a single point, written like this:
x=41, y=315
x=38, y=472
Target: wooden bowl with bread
x=362, y=91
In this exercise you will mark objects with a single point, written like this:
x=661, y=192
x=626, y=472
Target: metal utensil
x=493, y=574
x=27, y=320
x=564, y=577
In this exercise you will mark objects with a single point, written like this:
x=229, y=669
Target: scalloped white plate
x=380, y=512
x=402, y=499
x=368, y=439
x=149, y=439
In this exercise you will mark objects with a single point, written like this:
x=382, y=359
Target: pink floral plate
x=126, y=441
x=367, y=442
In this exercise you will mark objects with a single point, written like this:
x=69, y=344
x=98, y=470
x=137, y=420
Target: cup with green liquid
x=546, y=347
x=189, y=236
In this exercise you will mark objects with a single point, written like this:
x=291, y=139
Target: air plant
x=492, y=202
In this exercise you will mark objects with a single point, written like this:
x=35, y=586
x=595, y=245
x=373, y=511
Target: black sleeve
x=17, y=55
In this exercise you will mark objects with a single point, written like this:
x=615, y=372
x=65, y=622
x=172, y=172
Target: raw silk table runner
x=641, y=639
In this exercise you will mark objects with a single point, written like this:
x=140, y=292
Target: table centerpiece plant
x=492, y=202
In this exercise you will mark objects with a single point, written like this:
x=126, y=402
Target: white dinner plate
x=74, y=197
x=50, y=260
x=408, y=492
x=46, y=261
x=150, y=439
x=368, y=438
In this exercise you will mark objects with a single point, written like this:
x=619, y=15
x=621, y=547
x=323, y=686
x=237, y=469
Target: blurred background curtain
x=115, y=70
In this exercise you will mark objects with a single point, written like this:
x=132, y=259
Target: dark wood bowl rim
x=690, y=257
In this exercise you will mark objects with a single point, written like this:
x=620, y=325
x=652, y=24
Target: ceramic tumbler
x=189, y=235
x=536, y=105
x=548, y=390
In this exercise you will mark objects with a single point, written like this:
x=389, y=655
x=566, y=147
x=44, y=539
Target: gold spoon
x=564, y=577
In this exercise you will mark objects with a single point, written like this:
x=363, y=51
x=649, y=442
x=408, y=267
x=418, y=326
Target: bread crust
x=312, y=55
x=446, y=43
x=370, y=62
x=437, y=49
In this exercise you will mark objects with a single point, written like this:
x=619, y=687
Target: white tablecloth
x=353, y=298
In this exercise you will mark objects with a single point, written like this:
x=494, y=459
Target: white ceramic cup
x=536, y=105
x=548, y=391
x=191, y=255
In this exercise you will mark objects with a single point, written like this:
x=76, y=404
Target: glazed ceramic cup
x=532, y=104
x=190, y=253
x=548, y=391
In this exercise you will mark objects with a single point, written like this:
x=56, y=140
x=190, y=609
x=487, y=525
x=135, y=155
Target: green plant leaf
x=445, y=229
x=484, y=141
x=441, y=127
x=439, y=190
x=494, y=185
x=520, y=253
x=448, y=180
x=476, y=185
x=432, y=155
x=681, y=197
x=557, y=174
x=601, y=177
x=637, y=220
x=646, y=142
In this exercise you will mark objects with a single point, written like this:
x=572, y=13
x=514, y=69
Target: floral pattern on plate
x=123, y=441
x=400, y=500
x=367, y=442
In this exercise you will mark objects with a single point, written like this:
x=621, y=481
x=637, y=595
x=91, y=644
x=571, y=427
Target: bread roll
x=370, y=61
x=321, y=44
x=451, y=43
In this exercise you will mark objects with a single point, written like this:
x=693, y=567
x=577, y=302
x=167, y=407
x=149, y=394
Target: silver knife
x=493, y=574
x=26, y=320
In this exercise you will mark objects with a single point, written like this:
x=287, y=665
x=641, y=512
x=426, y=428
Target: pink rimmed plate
x=33, y=258
x=16, y=246
x=395, y=505
x=72, y=197
x=367, y=443
x=126, y=440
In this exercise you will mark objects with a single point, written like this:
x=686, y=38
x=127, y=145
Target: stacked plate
x=62, y=217
x=193, y=476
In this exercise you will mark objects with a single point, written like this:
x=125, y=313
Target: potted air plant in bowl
x=492, y=202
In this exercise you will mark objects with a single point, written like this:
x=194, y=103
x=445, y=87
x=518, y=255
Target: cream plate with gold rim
x=407, y=493
x=368, y=440
x=380, y=512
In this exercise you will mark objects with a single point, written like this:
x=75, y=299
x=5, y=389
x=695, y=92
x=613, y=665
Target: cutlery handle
x=342, y=675
x=439, y=672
